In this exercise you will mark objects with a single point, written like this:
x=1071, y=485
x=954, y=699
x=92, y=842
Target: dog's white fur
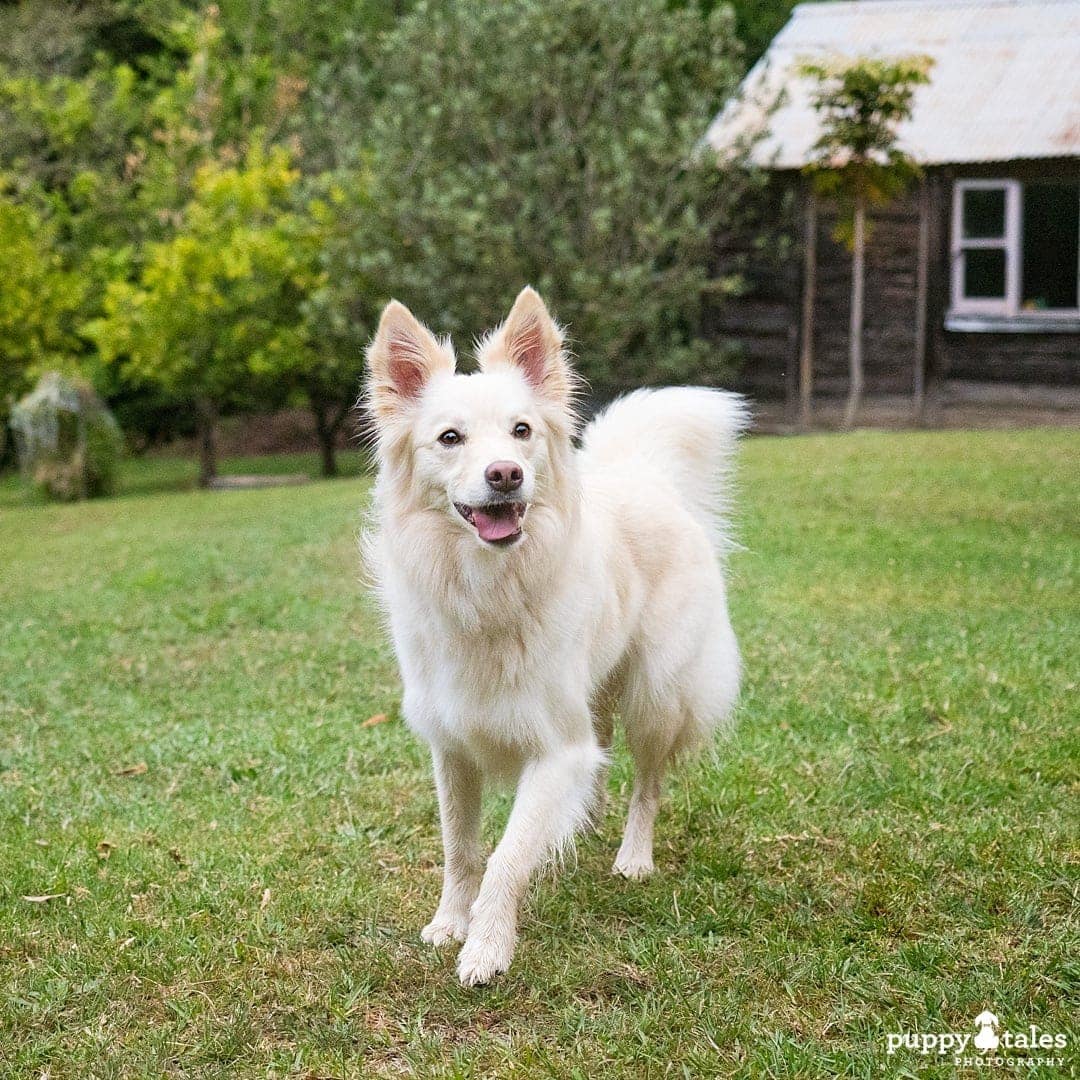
x=515, y=659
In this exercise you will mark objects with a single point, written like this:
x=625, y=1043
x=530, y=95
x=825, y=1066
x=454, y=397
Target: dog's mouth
x=497, y=523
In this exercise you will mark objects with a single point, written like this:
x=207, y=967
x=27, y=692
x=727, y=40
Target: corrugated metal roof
x=1005, y=83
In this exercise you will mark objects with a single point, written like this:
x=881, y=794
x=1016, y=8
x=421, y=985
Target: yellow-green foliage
x=861, y=102
x=216, y=305
x=239, y=188
x=38, y=300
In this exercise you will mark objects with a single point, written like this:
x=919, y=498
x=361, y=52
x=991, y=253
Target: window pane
x=984, y=213
x=984, y=273
x=1051, y=246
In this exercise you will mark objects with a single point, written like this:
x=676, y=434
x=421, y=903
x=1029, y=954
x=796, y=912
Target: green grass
x=153, y=473
x=888, y=844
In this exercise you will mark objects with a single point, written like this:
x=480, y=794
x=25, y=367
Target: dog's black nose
x=504, y=476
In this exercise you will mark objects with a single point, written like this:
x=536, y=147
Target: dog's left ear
x=531, y=341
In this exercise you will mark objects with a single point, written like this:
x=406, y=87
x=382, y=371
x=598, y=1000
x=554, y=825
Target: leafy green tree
x=340, y=308
x=215, y=309
x=757, y=22
x=251, y=297
x=323, y=56
x=296, y=73
x=69, y=152
x=47, y=38
x=556, y=143
x=861, y=103
x=76, y=128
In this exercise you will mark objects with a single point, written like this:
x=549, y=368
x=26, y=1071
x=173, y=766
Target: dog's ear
x=401, y=359
x=531, y=341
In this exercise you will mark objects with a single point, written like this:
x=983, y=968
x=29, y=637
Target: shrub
x=67, y=440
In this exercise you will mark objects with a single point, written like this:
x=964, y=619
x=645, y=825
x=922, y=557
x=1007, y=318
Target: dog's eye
x=522, y=431
x=450, y=437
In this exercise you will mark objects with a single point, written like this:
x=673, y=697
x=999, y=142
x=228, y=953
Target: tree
x=757, y=22
x=556, y=143
x=250, y=298
x=215, y=309
x=244, y=87
x=548, y=142
x=76, y=128
x=861, y=103
x=340, y=308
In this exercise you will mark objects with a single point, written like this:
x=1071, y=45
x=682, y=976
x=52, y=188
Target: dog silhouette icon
x=987, y=1038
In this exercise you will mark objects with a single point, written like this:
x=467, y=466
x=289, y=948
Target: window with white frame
x=1016, y=247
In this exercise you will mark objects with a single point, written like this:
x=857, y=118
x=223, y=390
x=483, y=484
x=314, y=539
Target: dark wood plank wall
x=889, y=330
x=1046, y=359
x=763, y=324
x=762, y=329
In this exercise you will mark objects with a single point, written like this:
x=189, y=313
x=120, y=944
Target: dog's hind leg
x=651, y=751
x=657, y=735
x=460, y=786
x=603, y=713
x=552, y=801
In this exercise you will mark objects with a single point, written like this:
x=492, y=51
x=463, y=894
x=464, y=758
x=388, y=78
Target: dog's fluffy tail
x=683, y=436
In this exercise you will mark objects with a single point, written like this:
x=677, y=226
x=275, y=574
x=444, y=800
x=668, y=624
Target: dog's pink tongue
x=495, y=528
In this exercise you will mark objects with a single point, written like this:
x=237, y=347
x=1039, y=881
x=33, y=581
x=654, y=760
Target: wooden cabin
x=973, y=278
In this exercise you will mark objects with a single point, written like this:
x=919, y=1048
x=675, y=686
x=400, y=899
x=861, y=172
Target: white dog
x=534, y=590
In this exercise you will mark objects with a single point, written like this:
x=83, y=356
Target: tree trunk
x=327, y=451
x=328, y=421
x=855, y=337
x=206, y=416
x=806, y=332
x=922, y=294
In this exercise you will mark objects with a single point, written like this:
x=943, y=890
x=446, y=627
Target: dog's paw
x=481, y=960
x=634, y=867
x=444, y=928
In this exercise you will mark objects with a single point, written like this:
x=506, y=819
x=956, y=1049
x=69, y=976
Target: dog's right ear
x=401, y=359
x=531, y=341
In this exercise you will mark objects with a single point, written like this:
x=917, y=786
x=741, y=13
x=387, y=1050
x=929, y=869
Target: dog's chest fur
x=498, y=655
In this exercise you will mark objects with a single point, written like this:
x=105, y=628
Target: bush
x=67, y=440
x=557, y=144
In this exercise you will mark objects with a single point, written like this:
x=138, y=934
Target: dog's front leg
x=553, y=796
x=459, y=784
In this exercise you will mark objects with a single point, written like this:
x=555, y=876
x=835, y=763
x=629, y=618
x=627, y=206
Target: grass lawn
x=238, y=869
